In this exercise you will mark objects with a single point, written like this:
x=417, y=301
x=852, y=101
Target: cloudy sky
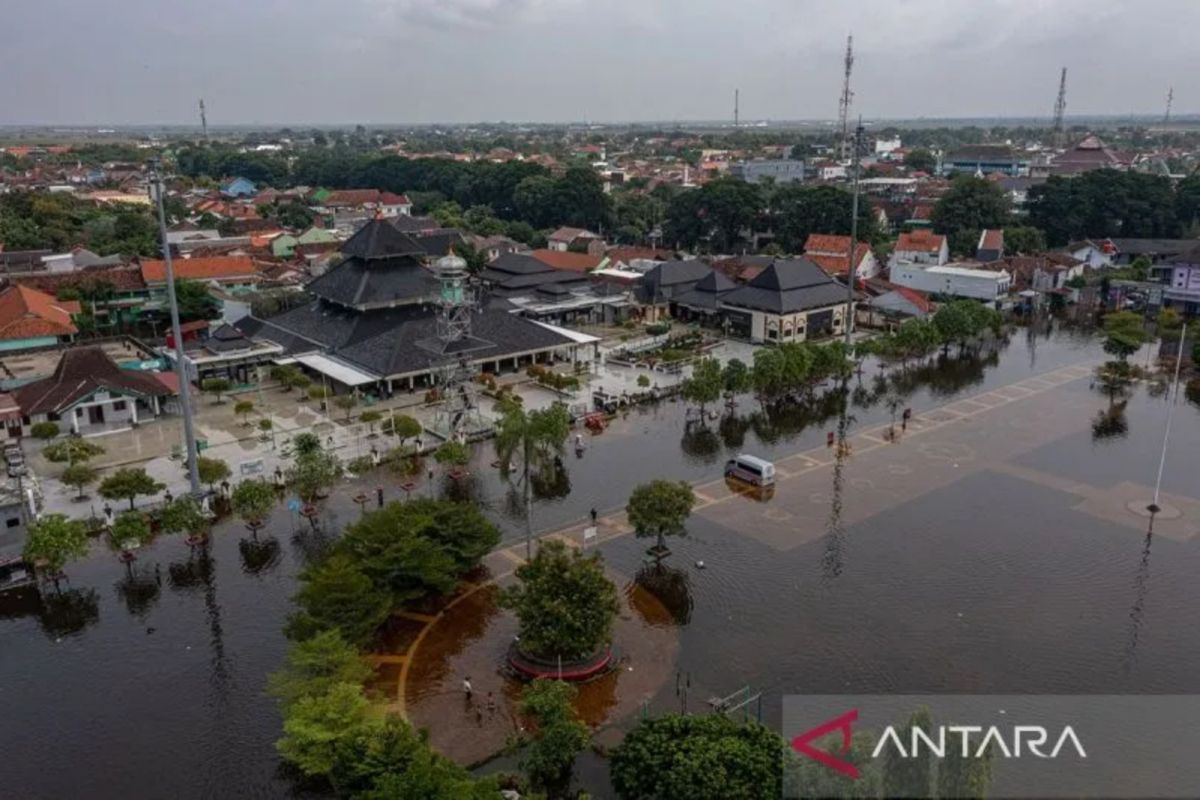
x=415, y=61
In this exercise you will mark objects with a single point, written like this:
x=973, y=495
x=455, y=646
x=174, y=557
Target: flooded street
x=991, y=549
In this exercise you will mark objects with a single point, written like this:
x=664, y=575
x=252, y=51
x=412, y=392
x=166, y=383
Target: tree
x=244, y=408
x=212, y=470
x=370, y=418
x=72, y=450
x=660, y=508
x=194, y=301
x=419, y=547
x=1023, y=240
x=960, y=775
x=317, y=394
x=336, y=594
x=44, y=430
x=536, y=438
x=970, y=205
x=705, y=384
x=315, y=666
x=1169, y=324
x=1124, y=334
x=314, y=469
x=253, y=500
x=54, y=540
x=729, y=206
x=558, y=736
x=452, y=453
x=316, y=726
x=216, y=387
x=128, y=483
x=1104, y=203
x=920, y=159
x=798, y=211
x=953, y=322
x=735, y=377
x=1139, y=269
x=565, y=604
x=905, y=776
x=79, y=475
x=183, y=515
x=403, y=426
x=130, y=529
x=915, y=338
x=346, y=402
x=700, y=757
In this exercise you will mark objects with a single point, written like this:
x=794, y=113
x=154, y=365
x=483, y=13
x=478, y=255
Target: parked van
x=751, y=469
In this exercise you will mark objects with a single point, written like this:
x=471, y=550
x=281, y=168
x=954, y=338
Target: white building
x=978, y=284
x=922, y=246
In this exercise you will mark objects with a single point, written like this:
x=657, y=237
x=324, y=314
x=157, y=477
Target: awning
x=337, y=370
x=574, y=336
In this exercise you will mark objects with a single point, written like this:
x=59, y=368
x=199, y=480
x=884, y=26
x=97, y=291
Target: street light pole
x=848, y=322
x=181, y=366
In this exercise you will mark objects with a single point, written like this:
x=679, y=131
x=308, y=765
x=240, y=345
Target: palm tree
x=535, y=437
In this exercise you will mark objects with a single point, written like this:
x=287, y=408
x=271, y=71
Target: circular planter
x=528, y=667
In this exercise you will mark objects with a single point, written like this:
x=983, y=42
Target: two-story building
x=921, y=246
x=1181, y=276
x=832, y=254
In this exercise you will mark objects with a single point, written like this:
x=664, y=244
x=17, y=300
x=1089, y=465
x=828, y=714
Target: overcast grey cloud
x=414, y=61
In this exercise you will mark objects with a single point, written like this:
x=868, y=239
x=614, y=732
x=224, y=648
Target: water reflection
x=670, y=586
x=701, y=444
x=140, y=588
x=551, y=483
x=831, y=559
x=68, y=612
x=1110, y=423
x=259, y=556
x=1137, y=611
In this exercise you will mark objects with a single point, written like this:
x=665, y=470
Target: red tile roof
x=992, y=239
x=200, y=269
x=351, y=197
x=390, y=199
x=573, y=262
x=920, y=241
x=829, y=252
x=122, y=279
x=918, y=299
x=26, y=313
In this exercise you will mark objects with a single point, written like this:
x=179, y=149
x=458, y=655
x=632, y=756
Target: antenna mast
x=735, y=107
x=844, y=102
x=1170, y=98
x=1060, y=108
x=203, y=120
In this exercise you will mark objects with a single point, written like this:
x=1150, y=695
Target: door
x=95, y=415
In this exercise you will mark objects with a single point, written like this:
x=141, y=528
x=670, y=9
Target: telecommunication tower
x=844, y=102
x=458, y=418
x=203, y=120
x=735, y=107
x=1060, y=109
x=1170, y=99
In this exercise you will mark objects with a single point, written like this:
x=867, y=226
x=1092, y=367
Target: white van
x=750, y=469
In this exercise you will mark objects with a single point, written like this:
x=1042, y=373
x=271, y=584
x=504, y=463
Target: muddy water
x=150, y=682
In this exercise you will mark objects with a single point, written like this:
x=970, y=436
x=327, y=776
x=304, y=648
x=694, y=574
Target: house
x=575, y=240
x=831, y=253
x=702, y=302
x=893, y=306
x=1182, y=277
x=371, y=322
x=1046, y=272
x=223, y=352
x=492, y=247
x=778, y=171
x=285, y=246
x=31, y=319
x=231, y=272
x=659, y=287
x=920, y=246
x=990, y=246
x=1090, y=153
x=114, y=295
x=985, y=159
x=957, y=280
x=520, y=273
x=388, y=204
x=575, y=262
x=792, y=300
x=238, y=187
x=92, y=395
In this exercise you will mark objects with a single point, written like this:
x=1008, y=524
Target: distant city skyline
x=397, y=62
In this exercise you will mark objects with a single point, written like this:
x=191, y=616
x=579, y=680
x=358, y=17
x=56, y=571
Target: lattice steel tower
x=845, y=100
x=458, y=416
x=1060, y=109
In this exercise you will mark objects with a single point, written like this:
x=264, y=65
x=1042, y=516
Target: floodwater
x=149, y=681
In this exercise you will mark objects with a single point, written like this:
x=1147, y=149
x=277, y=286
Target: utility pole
x=181, y=363
x=1154, y=507
x=848, y=322
x=1060, y=108
x=844, y=102
x=203, y=120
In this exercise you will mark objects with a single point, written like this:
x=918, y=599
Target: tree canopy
x=660, y=508
x=970, y=205
x=55, y=539
x=564, y=602
x=1104, y=203
x=128, y=483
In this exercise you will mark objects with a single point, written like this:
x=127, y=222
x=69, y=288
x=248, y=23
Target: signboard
x=254, y=467
x=589, y=533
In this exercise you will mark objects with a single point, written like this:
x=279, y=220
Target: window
x=12, y=522
x=119, y=405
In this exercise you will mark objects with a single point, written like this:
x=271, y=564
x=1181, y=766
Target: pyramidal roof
x=715, y=282
x=380, y=239
x=786, y=274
